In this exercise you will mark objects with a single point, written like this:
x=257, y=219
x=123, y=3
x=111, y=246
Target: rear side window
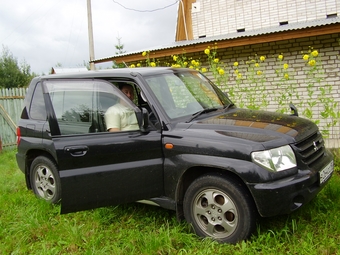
x=79, y=105
x=37, y=108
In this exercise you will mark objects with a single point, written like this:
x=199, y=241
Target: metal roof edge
x=250, y=33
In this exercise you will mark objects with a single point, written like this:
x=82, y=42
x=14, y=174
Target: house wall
x=328, y=47
x=217, y=17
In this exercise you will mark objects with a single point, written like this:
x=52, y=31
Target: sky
x=45, y=33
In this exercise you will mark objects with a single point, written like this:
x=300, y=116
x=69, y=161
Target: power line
x=158, y=9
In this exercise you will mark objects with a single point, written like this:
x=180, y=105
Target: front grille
x=310, y=149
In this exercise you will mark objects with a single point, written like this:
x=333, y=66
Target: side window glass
x=37, y=109
x=80, y=105
x=121, y=116
x=73, y=110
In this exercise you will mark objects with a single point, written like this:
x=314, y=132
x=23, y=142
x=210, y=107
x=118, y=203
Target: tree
x=119, y=47
x=11, y=74
x=120, y=50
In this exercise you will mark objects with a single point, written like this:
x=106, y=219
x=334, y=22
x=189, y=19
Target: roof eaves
x=250, y=33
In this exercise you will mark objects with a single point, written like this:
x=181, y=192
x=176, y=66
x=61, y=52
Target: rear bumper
x=21, y=161
x=287, y=195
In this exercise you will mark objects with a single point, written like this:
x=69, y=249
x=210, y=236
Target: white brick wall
x=217, y=17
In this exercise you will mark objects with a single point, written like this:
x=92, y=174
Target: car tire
x=44, y=179
x=219, y=208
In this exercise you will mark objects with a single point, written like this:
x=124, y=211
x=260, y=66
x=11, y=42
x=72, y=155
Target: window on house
x=332, y=15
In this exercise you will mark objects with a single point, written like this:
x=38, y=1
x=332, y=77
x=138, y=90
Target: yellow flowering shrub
x=319, y=93
x=315, y=53
x=194, y=63
x=250, y=89
x=311, y=62
x=216, y=67
x=251, y=82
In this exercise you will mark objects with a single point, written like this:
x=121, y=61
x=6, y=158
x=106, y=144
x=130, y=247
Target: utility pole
x=91, y=46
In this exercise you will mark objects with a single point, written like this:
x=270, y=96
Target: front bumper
x=287, y=195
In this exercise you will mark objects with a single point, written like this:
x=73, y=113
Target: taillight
x=18, y=135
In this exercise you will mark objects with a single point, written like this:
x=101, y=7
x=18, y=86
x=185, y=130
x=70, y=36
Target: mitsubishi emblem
x=315, y=146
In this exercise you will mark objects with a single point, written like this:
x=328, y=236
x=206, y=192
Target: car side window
x=37, y=108
x=121, y=116
x=79, y=105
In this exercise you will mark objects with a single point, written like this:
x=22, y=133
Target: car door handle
x=76, y=151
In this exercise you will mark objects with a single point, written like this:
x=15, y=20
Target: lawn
x=31, y=226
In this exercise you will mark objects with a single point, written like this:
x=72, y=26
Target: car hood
x=267, y=128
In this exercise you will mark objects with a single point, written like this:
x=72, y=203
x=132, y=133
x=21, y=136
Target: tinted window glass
x=79, y=105
x=38, y=110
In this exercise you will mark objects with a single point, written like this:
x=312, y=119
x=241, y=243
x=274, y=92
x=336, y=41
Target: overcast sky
x=44, y=32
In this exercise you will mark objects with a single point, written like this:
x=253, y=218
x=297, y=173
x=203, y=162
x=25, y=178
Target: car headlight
x=275, y=160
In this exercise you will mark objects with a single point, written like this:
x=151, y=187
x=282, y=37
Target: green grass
x=31, y=226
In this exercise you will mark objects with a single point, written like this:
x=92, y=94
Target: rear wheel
x=45, y=180
x=219, y=208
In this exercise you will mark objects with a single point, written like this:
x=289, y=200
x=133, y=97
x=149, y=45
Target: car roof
x=119, y=72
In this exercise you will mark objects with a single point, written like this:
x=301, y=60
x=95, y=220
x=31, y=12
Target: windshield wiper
x=195, y=115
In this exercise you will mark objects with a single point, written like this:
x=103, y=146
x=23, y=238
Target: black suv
x=194, y=152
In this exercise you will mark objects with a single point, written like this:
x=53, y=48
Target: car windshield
x=186, y=93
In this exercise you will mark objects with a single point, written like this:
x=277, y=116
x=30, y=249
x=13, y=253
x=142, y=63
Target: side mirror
x=143, y=120
x=294, y=110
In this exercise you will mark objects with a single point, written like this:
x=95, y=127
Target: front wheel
x=45, y=180
x=219, y=208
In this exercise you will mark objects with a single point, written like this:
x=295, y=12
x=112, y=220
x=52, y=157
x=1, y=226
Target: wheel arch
x=30, y=156
x=195, y=172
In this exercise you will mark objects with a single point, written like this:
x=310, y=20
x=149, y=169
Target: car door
x=99, y=168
